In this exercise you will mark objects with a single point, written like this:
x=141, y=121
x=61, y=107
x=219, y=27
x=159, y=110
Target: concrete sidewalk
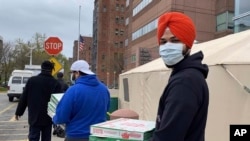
x=55, y=138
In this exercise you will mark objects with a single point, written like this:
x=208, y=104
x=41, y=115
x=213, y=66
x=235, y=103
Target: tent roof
x=155, y=65
x=231, y=49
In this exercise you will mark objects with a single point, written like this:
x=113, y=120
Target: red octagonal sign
x=53, y=45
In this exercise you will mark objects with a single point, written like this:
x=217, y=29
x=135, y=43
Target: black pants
x=36, y=131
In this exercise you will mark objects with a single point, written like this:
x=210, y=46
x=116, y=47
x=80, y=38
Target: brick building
x=142, y=45
x=124, y=31
x=85, y=53
x=108, y=40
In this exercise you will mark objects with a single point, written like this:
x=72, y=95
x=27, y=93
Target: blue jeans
x=36, y=131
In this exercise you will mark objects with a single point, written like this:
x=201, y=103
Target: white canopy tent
x=228, y=59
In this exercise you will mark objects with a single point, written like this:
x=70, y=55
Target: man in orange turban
x=183, y=106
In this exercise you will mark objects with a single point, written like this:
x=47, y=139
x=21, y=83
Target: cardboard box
x=55, y=98
x=123, y=128
x=52, y=104
x=99, y=138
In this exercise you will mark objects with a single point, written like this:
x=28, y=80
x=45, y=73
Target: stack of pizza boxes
x=54, y=99
x=122, y=129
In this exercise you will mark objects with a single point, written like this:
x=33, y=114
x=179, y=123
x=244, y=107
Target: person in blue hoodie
x=85, y=103
x=183, y=106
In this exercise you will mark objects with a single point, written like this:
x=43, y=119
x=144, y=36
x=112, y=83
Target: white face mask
x=171, y=53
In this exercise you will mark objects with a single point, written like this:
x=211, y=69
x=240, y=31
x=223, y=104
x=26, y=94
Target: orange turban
x=180, y=25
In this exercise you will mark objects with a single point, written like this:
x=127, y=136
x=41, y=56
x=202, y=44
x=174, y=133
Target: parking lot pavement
x=55, y=138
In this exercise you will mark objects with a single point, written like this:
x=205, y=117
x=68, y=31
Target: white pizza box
x=124, y=128
x=52, y=104
x=55, y=98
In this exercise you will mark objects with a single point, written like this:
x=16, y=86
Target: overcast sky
x=23, y=18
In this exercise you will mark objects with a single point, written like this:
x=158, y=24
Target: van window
x=25, y=79
x=16, y=80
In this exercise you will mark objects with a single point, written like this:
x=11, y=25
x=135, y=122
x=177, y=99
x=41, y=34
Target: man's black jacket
x=36, y=96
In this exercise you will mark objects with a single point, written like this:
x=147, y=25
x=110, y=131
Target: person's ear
x=186, y=50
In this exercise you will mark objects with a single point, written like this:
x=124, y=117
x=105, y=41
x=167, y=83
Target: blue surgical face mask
x=171, y=53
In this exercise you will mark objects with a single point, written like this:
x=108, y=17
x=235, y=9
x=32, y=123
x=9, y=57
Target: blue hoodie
x=83, y=104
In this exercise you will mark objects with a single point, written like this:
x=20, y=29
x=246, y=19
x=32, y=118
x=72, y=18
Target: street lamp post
x=31, y=48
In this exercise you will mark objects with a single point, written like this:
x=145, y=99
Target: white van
x=17, y=82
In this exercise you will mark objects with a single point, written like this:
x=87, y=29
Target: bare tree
x=7, y=61
x=17, y=55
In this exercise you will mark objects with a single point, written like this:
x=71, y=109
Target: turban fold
x=180, y=25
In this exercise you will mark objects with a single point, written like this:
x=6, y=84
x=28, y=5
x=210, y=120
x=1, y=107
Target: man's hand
x=17, y=117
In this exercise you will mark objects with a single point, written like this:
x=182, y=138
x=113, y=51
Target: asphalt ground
x=10, y=129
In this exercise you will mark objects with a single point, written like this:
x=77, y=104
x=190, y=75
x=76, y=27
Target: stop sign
x=53, y=45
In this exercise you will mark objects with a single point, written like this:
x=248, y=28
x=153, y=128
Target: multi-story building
x=213, y=19
x=124, y=31
x=108, y=40
x=85, y=52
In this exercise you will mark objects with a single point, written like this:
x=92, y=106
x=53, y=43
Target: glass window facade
x=140, y=6
x=242, y=15
x=145, y=29
x=224, y=21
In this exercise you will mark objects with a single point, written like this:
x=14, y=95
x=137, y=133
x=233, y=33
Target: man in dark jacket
x=60, y=79
x=183, y=106
x=36, y=96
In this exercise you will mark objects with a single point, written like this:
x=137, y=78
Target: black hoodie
x=183, y=106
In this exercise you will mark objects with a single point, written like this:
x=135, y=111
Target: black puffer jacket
x=36, y=96
x=183, y=107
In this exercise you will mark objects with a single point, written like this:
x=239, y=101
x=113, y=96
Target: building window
x=117, y=7
x=141, y=6
x=103, y=57
x=104, y=8
x=224, y=21
x=122, y=20
x=242, y=15
x=121, y=32
x=117, y=19
x=116, y=44
x=145, y=29
x=133, y=58
x=122, y=8
x=121, y=44
x=116, y=31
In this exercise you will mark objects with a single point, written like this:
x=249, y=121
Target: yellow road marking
x=7, y=108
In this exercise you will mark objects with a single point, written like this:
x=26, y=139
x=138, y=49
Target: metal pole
x=30, y=56
x=79, y=33
x=30, y=52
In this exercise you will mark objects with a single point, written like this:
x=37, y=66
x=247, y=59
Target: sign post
x=53, y=45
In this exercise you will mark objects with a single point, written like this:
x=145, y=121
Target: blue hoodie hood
x=89, y=80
